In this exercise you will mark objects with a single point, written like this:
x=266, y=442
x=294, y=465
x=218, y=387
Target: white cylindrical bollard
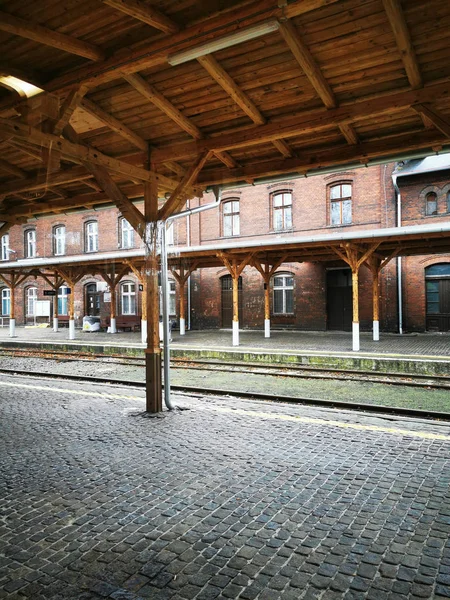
x=112, y=326
x=71, y=329
x=355, y=337
x=161, y=331
x=267, y=328
x=143, y=331
x=55, y=324
x=235, y=333
x=376, y=331
x=12, y=328
x=182, y=327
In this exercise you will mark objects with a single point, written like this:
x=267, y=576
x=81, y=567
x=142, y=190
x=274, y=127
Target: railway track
x=264, y=369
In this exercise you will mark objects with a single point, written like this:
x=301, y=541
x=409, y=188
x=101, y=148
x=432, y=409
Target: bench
x=131, y=322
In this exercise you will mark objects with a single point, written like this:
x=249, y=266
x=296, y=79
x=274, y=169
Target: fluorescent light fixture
x=23, y=88
x=224, y=42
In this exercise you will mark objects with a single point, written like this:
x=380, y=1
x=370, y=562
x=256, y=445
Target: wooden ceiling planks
x=326, y=53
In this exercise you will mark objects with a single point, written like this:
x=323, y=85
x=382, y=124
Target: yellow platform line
x=249, y=413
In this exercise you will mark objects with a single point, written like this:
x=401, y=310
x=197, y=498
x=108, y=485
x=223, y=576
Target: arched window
x=283, y=294
x=431, y=204
x=282, y=211
x=30, y=243
x=63, y=296
x=341, y=204
x=6, y=302
x=128, y=298
x=437, y=282
x=59, y=240
x=126, y=234
x=91, y=236
x=5, y=246
x=31, y=297
x=231, y=218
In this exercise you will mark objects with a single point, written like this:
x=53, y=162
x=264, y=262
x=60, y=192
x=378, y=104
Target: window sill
x=290, y=230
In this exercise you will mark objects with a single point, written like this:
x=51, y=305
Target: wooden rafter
x=68, y=108
x=439, y=121
x=145, y=13
x=39, y=181
x=42, y=35
x=7, y=167
x=402, y=37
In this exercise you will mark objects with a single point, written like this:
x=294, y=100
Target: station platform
x=427, y=353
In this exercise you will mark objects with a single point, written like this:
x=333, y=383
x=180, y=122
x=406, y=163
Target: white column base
x=12, y=328
x=376, y=331
x=112, y=326
x=235, y=333
x=55, y=324
x=71, y=329
x=267, y=328
x=182, y=327
x=161, y=331
x=143, y=331
x=355, y=337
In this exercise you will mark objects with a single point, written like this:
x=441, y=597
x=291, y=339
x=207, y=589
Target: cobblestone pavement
x=227, y=499
x=425, y=344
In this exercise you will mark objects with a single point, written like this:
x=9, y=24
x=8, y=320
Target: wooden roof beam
x=177, y=199
x=439, y=121
x=305, y=122
x=307, y=63
x=156, y=98
x=403, y=39
x=348, y=131
x=68, y=108
x=42, y=181
x=12, y=169
x=114, y=124
x=145, y=13
x=42, y=35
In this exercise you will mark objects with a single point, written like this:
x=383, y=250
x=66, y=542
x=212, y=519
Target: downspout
x=164, y=280
x=399, y=258
x=188, y=243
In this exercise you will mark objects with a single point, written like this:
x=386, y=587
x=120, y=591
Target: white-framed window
x=63, y=298
x=282, y=211
x=5, y=246
x=6, y=302
x=341, y=204
x=30, y=243
x=126, y=234
x=283, y=294
x=431, y=204
x=172, y=297
x=59, y=240
x=91, y=236
x=231, y=218
x=31, y=297
x=128, y=298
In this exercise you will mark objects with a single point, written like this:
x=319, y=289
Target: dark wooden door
x=92, y=300
x=227, y=301
x=438, y=305
x=339, y=300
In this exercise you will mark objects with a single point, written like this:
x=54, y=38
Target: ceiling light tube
x=224, y=42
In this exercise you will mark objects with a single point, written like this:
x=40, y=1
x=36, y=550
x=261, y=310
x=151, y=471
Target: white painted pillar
x=267, y=328
x=235, y=333
x=376, y=331
x=112, y=326
x=143, y=331
x=71, y=329
x=12, y=328
x=355, y=337
x=182, y=326
x=161, y=331
x=55, y=324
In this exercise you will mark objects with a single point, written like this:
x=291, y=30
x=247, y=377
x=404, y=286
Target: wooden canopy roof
x=168, y=97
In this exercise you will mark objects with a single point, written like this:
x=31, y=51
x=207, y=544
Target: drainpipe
x=164, y=287
x=399, y=258
x=188, y=243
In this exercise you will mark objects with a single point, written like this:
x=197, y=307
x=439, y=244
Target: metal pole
x=165, y=303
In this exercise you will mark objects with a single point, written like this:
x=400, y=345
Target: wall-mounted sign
x=49, y=292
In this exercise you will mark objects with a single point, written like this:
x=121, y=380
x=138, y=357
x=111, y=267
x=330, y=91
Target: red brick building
x=309, y=296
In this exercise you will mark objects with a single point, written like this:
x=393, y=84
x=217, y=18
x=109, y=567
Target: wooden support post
x=375, y=264
x=355, y=325
x=12, y=313
x=144, y=311
x=181, y=279
x=267, y=271
x=113, y=328
x=55, y=311
x=153, y=361
x=71, y=310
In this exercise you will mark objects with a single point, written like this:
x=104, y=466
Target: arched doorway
x=437, y=285
x=227, y=301
x=92, y=300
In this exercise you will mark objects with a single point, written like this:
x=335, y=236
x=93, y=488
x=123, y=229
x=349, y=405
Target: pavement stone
x=227, y=499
